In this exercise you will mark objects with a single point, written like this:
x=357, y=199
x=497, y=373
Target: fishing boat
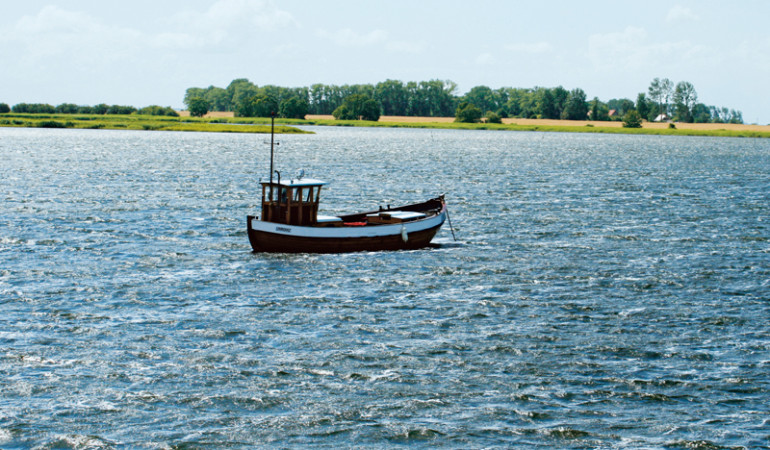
x=289, y=221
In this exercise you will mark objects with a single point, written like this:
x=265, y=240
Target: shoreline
x=571, y=123
x=518, y=124
x=226, y=122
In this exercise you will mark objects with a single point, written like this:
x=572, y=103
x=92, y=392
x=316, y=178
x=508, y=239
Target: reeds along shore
x=225, y=122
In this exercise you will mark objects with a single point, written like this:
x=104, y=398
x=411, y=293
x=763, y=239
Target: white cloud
x=407, y=47
x=232, y=20
x=679, y=13
x=349, y=38
x=81, y=41
x=485, y=59
x=55, y=32
x=227, y=22
x=532, y=48
x=631, y=50
x=755, y=55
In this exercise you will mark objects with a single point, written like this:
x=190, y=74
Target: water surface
x=603, y=292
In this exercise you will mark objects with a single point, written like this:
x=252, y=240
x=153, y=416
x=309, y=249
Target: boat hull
x=281, y=238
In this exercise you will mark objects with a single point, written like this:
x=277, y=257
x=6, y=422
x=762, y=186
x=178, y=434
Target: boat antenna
x=272, y=152
x=272, y=143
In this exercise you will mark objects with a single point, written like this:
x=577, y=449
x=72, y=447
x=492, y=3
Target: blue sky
x=149, y=52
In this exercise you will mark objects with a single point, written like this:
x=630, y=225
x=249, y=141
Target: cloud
x=631, y=50
x=407, y=46
x=232, y=20
x=485, y=59
x=349, y=38
x=531, y=48
x=679, y=13
x=55, y=33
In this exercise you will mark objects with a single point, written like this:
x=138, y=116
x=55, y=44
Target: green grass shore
x=140, y=122
x=547, y=128
x=262, y=125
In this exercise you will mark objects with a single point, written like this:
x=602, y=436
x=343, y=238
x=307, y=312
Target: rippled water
x=604, y=291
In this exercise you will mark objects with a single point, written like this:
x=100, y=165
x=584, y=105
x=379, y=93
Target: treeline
x=427, y=98
x=436, y=98
x=101, y=109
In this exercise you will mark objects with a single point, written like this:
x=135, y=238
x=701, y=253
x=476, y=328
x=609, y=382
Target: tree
x=523, y=102
x=667, y=88
x=467, y=113
x=660, y=93
x=632, y=119
x=701, y=113
x=198, y=106
x=577, y=108
x=192, y=93
x=483, y=97
x=599, y=110
x=101, y=109
x=621, y=106
x=263, y=105
x=393, y=97
x=4, y=108
x=685, y=99
x=242, y=93
x=155, y=110
x=218, y=99
x=642, y=105
x=493, y=117
x=121, y=110
x=551, y=102
x=293, y=108
x=67, y=108
x=34, y=108
x=548, y=108
x=358, y=107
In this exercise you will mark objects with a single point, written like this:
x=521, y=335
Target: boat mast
x=272, y=143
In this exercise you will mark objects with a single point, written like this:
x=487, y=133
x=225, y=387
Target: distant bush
x=67, y=108
x=632, y=119
x=198, y=106
x=358, y=107
x=156, y=110
x=101, y=108
x=294, y=108
x=34, y=108
x=467, y=113
x=493, y=117
x=51, y=124
x=117, y=109
x=4, y=108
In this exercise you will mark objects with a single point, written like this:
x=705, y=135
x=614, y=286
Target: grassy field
x=568, y=126
x=571, y=126
x=224, y=122
x=140, y=122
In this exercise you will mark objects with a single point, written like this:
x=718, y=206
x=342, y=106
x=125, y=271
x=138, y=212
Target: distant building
x=661, y=118
x=612, y=113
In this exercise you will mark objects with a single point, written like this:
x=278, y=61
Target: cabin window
x=284, y=195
